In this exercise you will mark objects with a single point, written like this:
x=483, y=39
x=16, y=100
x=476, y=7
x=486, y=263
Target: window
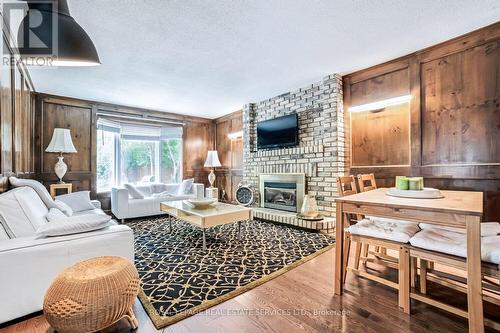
x=137, y=154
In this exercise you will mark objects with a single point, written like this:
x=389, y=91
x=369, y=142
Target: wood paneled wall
x=16, y=118
x=81, y=117
x=230, y=153
x=449, y=132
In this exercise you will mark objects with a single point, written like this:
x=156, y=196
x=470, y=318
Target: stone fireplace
x=319, y=157
x=282, y=191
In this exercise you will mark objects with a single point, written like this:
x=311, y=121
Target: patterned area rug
x=179, y=279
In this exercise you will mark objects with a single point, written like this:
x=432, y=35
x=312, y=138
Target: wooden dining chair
x=346, y=185
x=367, y=182
x=490, y=274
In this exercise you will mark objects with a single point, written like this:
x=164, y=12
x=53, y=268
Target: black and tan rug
x=180, y=279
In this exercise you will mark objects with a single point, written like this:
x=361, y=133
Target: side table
x=64, y=186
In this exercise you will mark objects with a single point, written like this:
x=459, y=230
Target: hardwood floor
x=302, y=300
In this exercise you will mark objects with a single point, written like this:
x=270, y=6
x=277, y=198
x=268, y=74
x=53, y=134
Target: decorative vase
x=211, y=178
x=60, y=168
x=309, y=206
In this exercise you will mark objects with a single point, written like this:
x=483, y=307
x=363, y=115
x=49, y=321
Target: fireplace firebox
x=282, y=191
x=280, y=195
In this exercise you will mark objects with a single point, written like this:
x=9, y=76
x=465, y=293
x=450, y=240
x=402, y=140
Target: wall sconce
x=235, y=135
x=381, y=104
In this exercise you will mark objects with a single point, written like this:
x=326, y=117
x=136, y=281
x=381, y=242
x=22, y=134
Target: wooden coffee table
x=204, y=218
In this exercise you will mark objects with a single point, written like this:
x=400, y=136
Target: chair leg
x=347, y=248
x=357, y=255
x=377, y=249
x=413, y=271
x=423, y=276
x=404, y=279
x=365, y=250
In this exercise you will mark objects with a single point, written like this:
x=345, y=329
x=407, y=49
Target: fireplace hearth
x=282, y=191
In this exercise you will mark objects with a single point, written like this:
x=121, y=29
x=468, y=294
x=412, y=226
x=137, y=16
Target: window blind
x=108, y=126
x=140, y=132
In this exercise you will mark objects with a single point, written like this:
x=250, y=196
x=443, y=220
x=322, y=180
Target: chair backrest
x=346, y=185
x=367, y=182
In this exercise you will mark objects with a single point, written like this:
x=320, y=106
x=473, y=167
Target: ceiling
x=210, y=57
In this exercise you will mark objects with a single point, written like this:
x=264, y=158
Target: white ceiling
x=209, y=57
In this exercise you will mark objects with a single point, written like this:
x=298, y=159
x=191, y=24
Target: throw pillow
x=186, y=186
x=38, y=187
x=77, y=201
x=64, y=208
x=134, y=192
x=13, y=217
x=74, y=225
x=54, y=214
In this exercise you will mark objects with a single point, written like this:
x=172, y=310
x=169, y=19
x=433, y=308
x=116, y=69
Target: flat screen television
x=278, y=132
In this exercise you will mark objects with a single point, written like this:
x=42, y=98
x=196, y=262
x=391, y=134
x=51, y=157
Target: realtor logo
x=33, y=31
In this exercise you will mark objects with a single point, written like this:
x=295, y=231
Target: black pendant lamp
x=49, y=26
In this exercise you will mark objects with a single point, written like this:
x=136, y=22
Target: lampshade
x=212, y=159
x=61, y=142
x=73, y=46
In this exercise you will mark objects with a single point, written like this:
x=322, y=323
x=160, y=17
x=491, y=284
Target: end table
x=64, y=186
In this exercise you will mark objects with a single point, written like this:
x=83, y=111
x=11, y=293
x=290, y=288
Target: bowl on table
x=202, y=203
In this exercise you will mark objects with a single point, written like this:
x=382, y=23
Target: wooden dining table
x=463, y=209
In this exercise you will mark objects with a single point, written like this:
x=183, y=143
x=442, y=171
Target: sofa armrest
x=119, y=202
x=32, y=264
x=96, y=203
x=198, y=190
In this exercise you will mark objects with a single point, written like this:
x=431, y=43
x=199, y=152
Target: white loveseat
x=123, y=206
x=29, y=263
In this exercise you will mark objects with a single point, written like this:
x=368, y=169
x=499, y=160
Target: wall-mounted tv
x=278, y=132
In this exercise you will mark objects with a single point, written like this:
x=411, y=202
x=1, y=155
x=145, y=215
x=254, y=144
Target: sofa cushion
x=185, y=187
x=158, y=188
x=96, y=211
x=164, y=194
x=54, y=214
x=13, y=216
x=74, y=225
x=77, y=201
x=3, y=232
x=33, y=206
x=133, y=192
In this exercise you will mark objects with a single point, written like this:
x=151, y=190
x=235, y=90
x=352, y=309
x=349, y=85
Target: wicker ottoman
x=92, y=295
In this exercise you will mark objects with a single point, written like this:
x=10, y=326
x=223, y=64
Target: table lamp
x=212, y=162
x=61, y=143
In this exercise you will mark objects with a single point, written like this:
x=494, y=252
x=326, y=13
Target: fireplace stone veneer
x=320, y=153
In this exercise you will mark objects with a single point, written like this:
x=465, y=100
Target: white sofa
x=29, y=263
x=123, y=206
